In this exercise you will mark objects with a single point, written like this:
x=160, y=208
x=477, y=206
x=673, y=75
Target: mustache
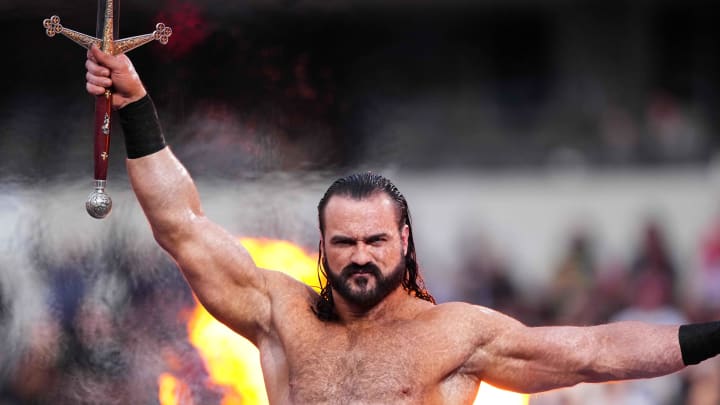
x=354, y=268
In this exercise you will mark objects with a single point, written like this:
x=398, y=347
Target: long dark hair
x=359, y=186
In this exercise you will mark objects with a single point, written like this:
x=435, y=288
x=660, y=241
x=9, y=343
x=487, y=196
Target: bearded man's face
x=364, y=248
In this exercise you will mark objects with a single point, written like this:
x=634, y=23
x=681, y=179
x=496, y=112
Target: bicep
x=223, y=276
x=527, y=359
x=513, y=356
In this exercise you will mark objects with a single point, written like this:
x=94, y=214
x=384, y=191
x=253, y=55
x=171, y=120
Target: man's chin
x=364, y=303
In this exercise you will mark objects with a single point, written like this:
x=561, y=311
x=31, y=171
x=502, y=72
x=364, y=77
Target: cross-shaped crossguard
x=107, y=43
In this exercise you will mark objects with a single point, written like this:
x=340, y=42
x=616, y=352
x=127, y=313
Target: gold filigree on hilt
x=161, y=34
x=52, y=27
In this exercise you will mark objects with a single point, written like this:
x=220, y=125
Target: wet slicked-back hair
x=360, y=186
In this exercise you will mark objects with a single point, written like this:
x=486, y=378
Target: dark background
x=303, y=85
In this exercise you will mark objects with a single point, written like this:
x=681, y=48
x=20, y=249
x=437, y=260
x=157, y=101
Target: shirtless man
x=374, y=336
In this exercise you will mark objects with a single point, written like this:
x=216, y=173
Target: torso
x=409, y=361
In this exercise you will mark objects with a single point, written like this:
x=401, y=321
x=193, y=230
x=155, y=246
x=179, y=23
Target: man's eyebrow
x=341, y=238
x=368, y=239
x=376, y=237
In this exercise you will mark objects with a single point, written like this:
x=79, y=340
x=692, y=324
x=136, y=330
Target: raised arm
x=533, y=359
x=219, y=270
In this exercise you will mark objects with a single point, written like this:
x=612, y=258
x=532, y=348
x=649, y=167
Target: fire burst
x=233, y=363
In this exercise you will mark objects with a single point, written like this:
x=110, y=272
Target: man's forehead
x=376, y=209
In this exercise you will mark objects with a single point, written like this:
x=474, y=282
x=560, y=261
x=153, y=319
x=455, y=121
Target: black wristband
x=141, y=126
x=699, y=341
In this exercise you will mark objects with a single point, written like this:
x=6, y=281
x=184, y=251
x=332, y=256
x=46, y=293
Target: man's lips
x=360, y=270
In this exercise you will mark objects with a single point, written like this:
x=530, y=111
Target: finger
x=94, y=90
x=96, y=69
x=98, y=81
x=90, y=55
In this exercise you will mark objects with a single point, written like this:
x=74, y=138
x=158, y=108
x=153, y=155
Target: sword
x=99, y=203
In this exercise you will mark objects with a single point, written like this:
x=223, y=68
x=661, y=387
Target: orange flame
x=234, y=363
x=172, y=391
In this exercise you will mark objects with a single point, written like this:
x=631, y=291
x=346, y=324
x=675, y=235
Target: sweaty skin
x=403, y=350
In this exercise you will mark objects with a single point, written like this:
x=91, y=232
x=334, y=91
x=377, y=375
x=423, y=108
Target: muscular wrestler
x=374, y=336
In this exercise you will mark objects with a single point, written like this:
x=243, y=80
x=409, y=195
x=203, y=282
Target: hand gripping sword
x=98, y=203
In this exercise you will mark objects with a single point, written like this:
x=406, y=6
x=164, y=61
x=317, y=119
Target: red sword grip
x=103, y=118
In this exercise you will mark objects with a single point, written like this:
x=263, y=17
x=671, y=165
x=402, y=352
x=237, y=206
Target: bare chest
x=391, y=364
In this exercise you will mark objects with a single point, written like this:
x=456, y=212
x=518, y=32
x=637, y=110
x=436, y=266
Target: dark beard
x=365, y=298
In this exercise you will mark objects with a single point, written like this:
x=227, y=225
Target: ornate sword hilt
x=161, y=34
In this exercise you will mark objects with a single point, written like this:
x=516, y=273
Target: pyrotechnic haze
x=549, y=152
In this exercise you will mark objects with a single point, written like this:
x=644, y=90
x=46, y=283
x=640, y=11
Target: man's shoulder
x=460, y=308
x=288, y=292
x=459, y=312
x=292, y=305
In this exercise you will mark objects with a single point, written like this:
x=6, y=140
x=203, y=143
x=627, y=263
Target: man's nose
x=361, y=255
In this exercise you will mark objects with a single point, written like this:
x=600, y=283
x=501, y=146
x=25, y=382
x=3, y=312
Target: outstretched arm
x=544, y=358
x=219, y=270
x=533, y=359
